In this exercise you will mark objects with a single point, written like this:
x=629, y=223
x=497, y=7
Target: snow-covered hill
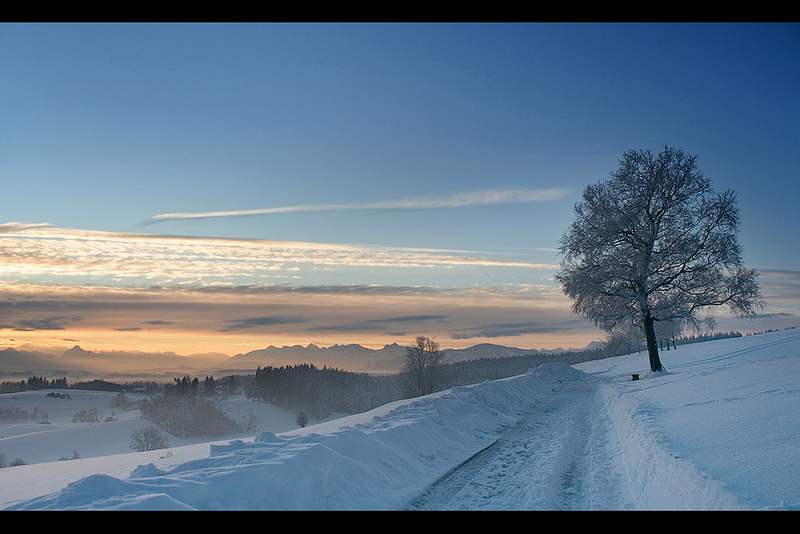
x=718, y=430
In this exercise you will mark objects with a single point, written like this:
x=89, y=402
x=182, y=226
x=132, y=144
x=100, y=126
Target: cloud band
x=469, y=198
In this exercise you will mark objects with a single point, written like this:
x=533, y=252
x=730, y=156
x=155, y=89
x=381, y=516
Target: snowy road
x=563, y=455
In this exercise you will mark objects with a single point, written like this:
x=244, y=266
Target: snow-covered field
x=718, y=430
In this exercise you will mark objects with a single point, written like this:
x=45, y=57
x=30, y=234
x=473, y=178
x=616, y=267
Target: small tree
x=302, y=419
x=653, y=244
x=423, y=363
x=120, y=400
x=148, y=439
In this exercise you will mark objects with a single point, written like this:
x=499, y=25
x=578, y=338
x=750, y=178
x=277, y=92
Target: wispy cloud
x=261, y=322
x=427, y=202
x=543, y=326
x=380, y=324
x=44, y=323
x=28, y=251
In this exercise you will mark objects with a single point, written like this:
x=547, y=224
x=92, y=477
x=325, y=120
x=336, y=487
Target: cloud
x=379, y=324
x=109, y=257
x=232, y=308
x=12, y=227
x=457, y=200
x=223, y=318
x=42, y=323
x=516, y=329
x=781, y=290
x=257, y=322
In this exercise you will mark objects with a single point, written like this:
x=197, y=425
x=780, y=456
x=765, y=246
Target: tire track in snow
x=445, y=488
x=734, y=354
x=559, y=456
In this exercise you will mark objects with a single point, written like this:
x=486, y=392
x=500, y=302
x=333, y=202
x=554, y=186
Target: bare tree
x=625, y=340
x=423, y=363
x=655, y=243
x=148, y=439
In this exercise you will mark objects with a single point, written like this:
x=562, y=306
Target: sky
x=226, y=187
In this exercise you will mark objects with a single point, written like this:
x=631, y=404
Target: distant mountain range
x=77, y=362
x=358, y=358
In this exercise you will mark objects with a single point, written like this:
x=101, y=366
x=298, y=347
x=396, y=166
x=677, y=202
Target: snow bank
x=717, y=430
x=659, y=480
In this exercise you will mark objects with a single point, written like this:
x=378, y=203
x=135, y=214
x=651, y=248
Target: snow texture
x=716, y=431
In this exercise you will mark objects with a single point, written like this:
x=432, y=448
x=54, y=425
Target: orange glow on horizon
x=231, y=345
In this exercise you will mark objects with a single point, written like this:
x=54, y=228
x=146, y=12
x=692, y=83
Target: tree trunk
x=652, y=344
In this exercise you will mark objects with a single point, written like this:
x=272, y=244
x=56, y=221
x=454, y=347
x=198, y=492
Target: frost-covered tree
x=655, y=243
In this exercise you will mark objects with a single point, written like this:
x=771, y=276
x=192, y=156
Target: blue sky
x=417, y=176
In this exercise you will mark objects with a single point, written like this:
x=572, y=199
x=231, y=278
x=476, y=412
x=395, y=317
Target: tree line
x=494, y=368
x=38, y=382
x=33, y=383
x=318, y=392
x=619, y=343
